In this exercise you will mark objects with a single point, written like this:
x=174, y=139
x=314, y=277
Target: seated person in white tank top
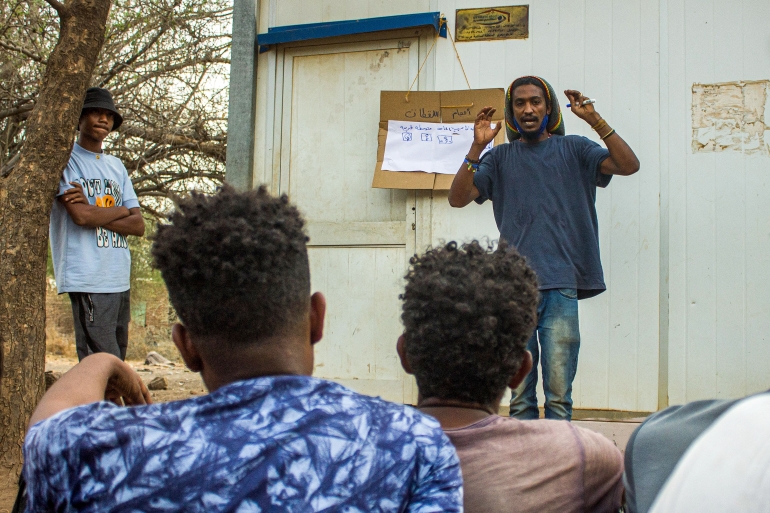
x=468, y=312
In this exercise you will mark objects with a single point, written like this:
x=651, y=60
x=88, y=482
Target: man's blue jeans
x=558, y=332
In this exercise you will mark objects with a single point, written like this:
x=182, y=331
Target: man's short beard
x=532, y=136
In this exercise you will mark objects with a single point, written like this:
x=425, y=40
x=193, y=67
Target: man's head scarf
x=553, y=122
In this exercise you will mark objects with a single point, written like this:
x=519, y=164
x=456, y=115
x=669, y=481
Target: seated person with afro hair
x=268, y=436
x=468, y=312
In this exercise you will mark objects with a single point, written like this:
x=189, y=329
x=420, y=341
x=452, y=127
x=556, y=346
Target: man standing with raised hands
x=542, y=185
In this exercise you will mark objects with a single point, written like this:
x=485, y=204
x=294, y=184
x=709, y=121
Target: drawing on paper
x=440, y=148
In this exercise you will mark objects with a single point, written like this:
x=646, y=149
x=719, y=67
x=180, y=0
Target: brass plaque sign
x=492, y=23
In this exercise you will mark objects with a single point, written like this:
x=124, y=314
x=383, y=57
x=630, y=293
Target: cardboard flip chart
x=430, y=107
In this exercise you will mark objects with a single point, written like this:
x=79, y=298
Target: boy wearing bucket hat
x=542, y=185
x=95, y=209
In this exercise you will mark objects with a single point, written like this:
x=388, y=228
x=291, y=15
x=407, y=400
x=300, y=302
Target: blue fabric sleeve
x=483, y=179
x=69, y=175
x=51, y=452
x=439, y=480
x=591, y=157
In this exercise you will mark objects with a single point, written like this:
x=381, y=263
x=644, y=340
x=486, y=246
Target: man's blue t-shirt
x=543, y=196
x=91, y=259
x=280, y=443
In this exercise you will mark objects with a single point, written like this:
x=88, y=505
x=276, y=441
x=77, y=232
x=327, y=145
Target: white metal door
x=359, y=237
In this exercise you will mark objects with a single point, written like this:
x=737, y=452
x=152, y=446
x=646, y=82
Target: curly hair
x=468, y=312
x=235, y=264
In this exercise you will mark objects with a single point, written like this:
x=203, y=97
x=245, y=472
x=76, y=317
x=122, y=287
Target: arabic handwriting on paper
x=440, y=154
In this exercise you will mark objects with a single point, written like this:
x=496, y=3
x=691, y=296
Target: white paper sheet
x=428, y=147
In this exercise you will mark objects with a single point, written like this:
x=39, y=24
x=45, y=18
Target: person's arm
x=97, y=377
x=622, y=160
x=463, y=191
x=133, y=224
x=87, y=215
x=602, y=472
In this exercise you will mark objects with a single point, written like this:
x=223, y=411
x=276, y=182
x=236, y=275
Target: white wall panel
x=299, y=12
x=718, y=342
x=608, y=49
x=707, y=265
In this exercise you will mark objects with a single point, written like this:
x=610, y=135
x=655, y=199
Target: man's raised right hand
x=483, y=133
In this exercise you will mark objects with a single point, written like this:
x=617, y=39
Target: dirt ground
x=181, y=382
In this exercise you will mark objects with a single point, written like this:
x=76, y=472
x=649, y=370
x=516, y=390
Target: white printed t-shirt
x=92, y=259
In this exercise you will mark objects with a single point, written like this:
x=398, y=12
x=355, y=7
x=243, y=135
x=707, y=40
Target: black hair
x=235, y=264
x=529, y=81
x=468, y=312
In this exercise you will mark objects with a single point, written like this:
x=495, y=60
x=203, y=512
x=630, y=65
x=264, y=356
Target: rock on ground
x=159, y=383
x=154, y=358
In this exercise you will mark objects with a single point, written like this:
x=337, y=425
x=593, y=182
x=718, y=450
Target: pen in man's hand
x=586, y=102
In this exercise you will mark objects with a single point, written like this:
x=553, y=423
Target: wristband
x=473, y=165
x=608, y=134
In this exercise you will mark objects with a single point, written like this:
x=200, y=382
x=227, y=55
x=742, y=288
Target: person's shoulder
x=63, y=430
x=114, y=161
x=397, y=420
x=595, y=441
x=500, y=150
x=574, y=140
x=694, y=416
x=387, y=409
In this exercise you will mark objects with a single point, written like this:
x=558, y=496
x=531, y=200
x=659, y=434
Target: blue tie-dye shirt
x=285, y=443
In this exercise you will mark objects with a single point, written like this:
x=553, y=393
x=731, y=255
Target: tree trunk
x=26, y=197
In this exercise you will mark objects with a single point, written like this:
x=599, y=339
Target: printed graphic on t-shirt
x=106, y=193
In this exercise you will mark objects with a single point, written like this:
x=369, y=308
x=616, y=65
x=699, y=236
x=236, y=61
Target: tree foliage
x=166, y=63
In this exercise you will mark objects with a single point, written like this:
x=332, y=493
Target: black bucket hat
x=98, y=98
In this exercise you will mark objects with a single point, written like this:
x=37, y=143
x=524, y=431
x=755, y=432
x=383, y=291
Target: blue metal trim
x=290, y=33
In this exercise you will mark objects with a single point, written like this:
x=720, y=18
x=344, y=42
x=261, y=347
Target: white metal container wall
x=708, y=252
x=609, y=50
x=718, y=222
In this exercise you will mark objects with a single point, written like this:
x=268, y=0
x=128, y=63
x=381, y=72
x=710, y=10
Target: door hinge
x=414, y=227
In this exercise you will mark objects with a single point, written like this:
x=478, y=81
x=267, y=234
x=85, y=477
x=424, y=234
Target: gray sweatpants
x=101, y=322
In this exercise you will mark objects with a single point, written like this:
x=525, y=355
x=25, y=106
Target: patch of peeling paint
x=731, y=116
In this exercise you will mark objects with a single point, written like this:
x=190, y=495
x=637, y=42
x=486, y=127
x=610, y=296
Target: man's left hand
x=584, y=112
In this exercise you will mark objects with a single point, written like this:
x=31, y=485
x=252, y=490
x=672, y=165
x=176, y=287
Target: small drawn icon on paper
x=426, y=137
x=444, y=139
x=406, y=136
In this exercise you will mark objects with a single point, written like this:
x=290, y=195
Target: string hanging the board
x=442, y=22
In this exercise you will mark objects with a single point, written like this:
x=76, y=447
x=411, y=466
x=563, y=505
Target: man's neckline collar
x=80, y=148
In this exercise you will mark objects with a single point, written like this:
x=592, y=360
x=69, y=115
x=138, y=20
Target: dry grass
x=59, y=344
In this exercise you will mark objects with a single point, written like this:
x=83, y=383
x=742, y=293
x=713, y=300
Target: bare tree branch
x=166, y=64
x=60, y=8
x=16, y=111
x=11, y=47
